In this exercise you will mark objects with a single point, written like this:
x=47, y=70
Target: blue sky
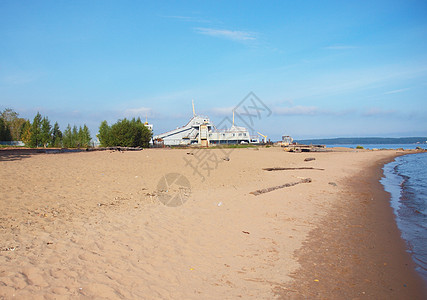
x=324, y=68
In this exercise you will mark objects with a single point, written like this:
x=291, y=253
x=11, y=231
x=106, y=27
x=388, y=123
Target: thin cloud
x=187, y=19
x=19, y=78
x=396, y=91
x=139, y=111
x=227, y=34
x=296, y=111
x=222, y=111
x=340, y=47
x=300, y=110
x=357, y=80
x=375, y=112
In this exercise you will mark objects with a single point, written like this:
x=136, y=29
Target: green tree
x=5, y=134
x=26, y=132
x=67, y=137
x=36, y=137
x=104, y=134
x=86, y=139
x=56, y=136
x=125, y=133
x=45, y=133
x=10, y=117
x=75, y=137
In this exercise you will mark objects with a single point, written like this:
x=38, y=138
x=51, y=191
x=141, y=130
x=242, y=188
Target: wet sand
x=90, y=225
x=357, y=252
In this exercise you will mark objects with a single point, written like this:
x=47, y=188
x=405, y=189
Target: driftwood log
x=286, y=169
x=263, y=191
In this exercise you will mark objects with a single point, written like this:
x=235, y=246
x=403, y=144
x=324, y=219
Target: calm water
x=382, y=146
x=406, y=180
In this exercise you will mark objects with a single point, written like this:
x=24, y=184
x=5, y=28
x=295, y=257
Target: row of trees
x=124, y=133
x=40, y=132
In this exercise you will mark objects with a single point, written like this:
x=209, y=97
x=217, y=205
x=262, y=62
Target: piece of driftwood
x=309, y=159
x=286, y=169
x=115, y=148
x=263, y=191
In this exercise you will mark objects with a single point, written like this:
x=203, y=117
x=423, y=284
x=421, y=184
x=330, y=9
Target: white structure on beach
x=200, y=130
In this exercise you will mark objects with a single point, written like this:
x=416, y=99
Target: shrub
x=124, y=133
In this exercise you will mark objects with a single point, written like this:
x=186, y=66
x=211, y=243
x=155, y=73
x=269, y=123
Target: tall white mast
x=233, y=117
x=194, y=112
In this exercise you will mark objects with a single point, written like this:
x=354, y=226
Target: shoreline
x=364, y=246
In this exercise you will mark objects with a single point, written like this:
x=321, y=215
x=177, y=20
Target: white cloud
x=296, y=110
x=396, y=91
x=137, y=112
x=227, y=34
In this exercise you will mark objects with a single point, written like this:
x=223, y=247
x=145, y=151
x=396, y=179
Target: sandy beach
x=91, y=225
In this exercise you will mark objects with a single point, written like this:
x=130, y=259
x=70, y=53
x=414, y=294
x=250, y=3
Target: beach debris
x=296, y=168
x=220, y=203
x=332, y=183
x=190, y=153
x=9, y=249
x=317, y=280
x=226, y=158
x=246, y=232
x=263, y=191
x=309, y=159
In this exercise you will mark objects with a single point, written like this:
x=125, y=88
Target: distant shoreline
x=365, y=140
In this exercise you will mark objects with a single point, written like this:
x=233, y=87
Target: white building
x=200, y=130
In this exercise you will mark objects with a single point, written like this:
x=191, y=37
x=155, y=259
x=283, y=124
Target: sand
x=91, y=225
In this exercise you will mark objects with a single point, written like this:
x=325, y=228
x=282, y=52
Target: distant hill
x=369, y=140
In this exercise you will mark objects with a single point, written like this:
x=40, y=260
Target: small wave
x=405, y=180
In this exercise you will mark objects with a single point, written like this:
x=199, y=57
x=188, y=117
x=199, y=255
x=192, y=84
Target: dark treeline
x=40, y=132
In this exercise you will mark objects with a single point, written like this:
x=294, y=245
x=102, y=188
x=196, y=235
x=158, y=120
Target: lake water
x=381, y=146
x=406, y=180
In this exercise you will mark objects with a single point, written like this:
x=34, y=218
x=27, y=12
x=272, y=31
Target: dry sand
x=90, y=225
